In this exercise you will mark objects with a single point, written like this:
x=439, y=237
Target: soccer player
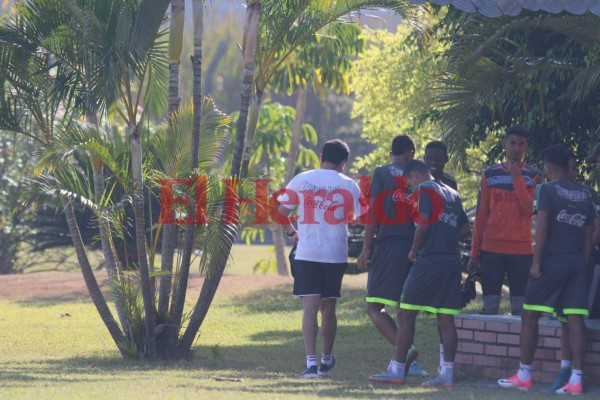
x=434, y=282
x=325, y=200
x=502, y=232
x=436, y=157
x=395, y=230
x=558, y=284
x=566, y=362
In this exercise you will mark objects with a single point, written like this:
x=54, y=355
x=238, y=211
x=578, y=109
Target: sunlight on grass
x=250, y=347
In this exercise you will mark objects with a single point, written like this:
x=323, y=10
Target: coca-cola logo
x=576, y=219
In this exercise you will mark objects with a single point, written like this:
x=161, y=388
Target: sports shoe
x=324, y=369
x=440, y=380
x=309, y=372
x=388, y=377
x=561, y=380
x=416, y=370
x=411, y=356
x=515, y=383
x=571, y=389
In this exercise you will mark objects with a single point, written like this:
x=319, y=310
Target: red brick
x=546, y=354
x=463, y=359
x=487, y=337
x=544, y=377
x=537, y=365
x=592, y=371
x=514, y=352
x=473, y=324
x=593, y=334
x=496, y=350
x=552, y=342
x=551, y=366
x=508, y=363
x=470, y=348
x=458, y=322
x=496, y=326
x=465, y=334
x=547, y=331
x=594, y=346
x=488, y=361
x=491, y=372
x=514, y=328
x=592, y=358
x=509, y=339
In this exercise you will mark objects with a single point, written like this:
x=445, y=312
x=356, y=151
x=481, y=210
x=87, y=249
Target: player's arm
x=481, y=217
x=421, y=231
x=541, y=233
x=524, y=194
x=588, y=244
x=288, y=227
x=370, y=226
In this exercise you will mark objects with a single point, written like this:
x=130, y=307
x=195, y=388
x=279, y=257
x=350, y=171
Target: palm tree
x=273, y=31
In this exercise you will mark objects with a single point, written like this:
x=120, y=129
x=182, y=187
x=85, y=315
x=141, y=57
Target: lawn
x=250, y=347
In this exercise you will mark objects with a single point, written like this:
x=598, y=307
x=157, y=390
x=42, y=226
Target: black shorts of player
x=388, y=271
x=433, y=287
x=562, y=288
x=496, y=266
x=319, y=279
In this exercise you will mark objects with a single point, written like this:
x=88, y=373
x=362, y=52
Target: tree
x=537, y=70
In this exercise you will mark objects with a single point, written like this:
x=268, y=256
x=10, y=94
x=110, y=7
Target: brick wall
x=488, y=346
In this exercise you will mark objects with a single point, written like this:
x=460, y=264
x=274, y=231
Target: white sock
x=566, y=364
x=447, y=369
x=524, y=373
x=576, y=376
x=311, y=361
x=326, y=359
x=397, y=368
x=441, y=355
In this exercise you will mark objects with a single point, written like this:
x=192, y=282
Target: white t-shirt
x=325, y=200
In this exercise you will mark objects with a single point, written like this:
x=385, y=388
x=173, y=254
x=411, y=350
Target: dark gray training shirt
x=570, y=208
x=447, y=215
x=389, y=207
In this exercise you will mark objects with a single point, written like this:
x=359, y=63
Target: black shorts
x=388, y=271
x=495, y=267
x=433, y=287
x=562, y=289
x=313, y=278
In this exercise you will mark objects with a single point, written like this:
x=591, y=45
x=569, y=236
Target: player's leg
x=566, y=359
x=492, y=278
x=517, y=273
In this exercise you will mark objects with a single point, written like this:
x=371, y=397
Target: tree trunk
x=279, y=242
x=251, y=130
x=140, y=236
x=89, y=278
x=168, y=231
x=217, y=264
x=296, y=134
x=248, y=52
x=188, y=241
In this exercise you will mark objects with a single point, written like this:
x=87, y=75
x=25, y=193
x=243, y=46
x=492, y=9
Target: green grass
x=60, y=350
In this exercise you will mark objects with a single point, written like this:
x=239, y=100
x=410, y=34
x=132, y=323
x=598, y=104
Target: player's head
x=403, y=146
x=416, y=172
x=594, y=158
x=335, y=152
x=556, y=161
x=572, y=167
x=515, y=143
x=436, y=157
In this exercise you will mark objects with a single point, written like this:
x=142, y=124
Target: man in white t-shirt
x=325, y=200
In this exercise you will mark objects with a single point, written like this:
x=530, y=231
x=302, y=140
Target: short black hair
x=438, y=145
x=402, y=143
x=557, y=155
x=416, y=165
x=335, y=151
x=518, y=130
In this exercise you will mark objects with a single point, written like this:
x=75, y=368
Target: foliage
x=538, y=70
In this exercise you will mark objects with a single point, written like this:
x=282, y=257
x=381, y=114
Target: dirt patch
x=70, y=285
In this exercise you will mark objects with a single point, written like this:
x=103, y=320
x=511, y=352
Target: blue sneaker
x=325, y=369
x=416, y=370
x=411, y=356
x=440, y=380
x=309, y=372
x=388, y=377
x=561, y=380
